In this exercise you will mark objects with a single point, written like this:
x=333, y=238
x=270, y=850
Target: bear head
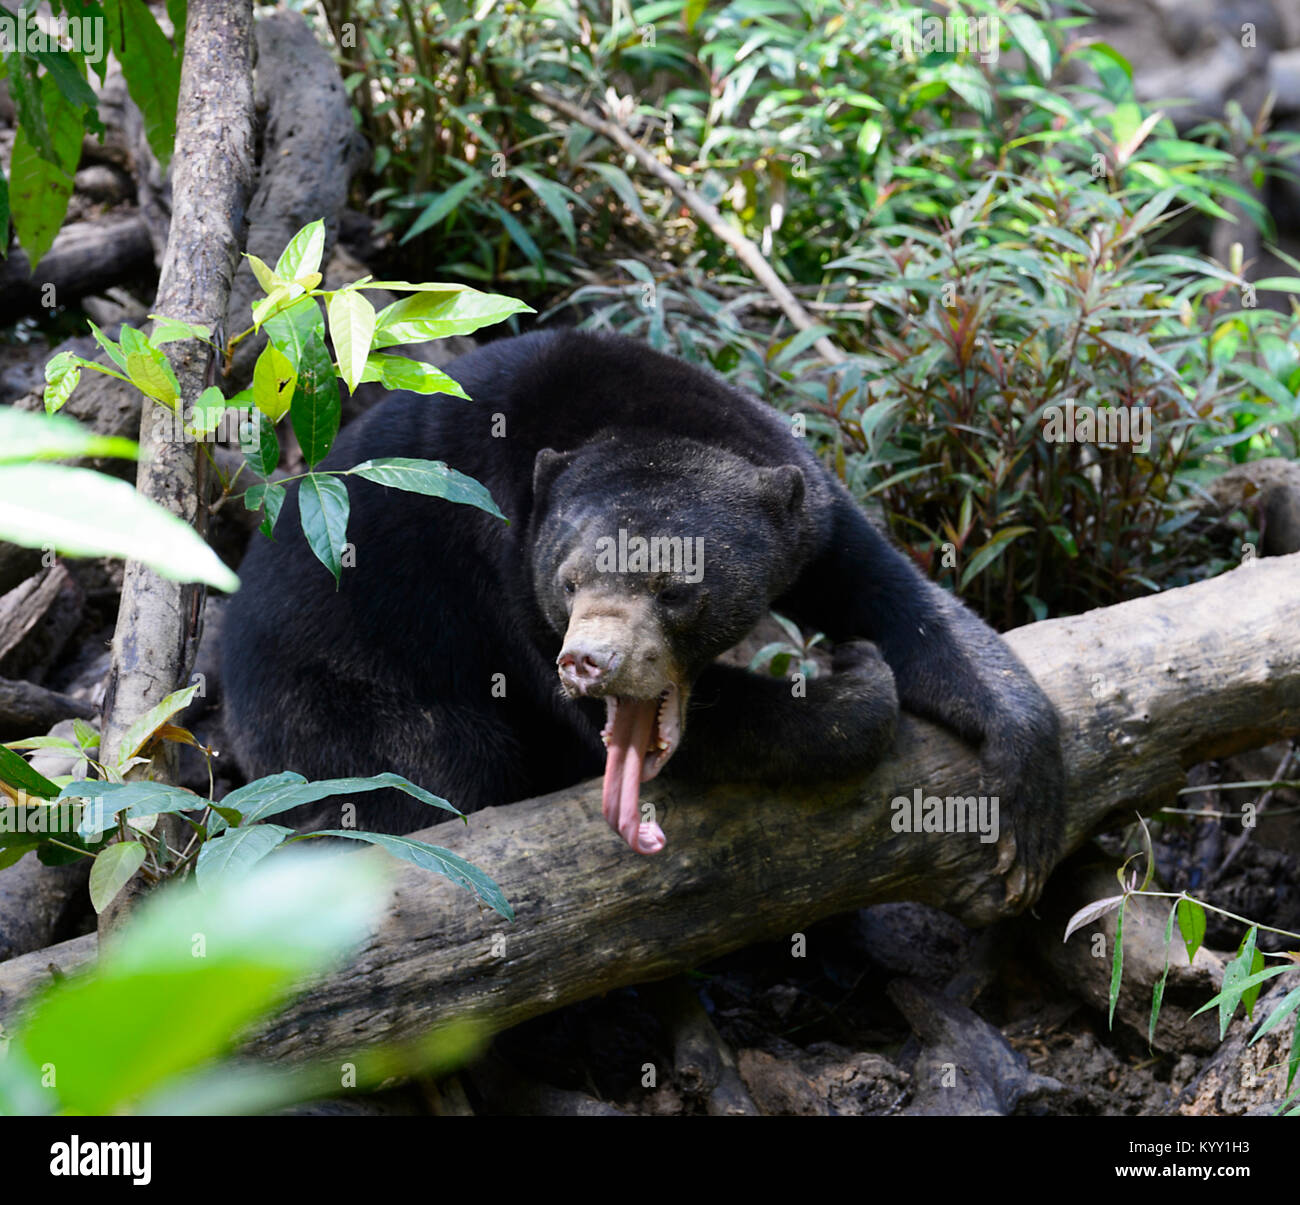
x=650, y=558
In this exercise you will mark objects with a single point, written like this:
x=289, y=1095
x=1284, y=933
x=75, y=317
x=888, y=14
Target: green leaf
x=869, y=136
x=1191, y=924
x=25, y=90
x=274, y=381
x=1290, y=1003
x=271, y=497
x=82, y=513
x=435, y=315
x=766, y=656
x=44, y=742
x=16, y=853
x=1134, y=346
x=280, y=792
x=1106, y=52
x=263, y=938
x=38, y=188
x=555, y=197
x=990, y=552
x=1158, y=994
x=266, y=456
x=290, y=329
x=234, y=854
x=1029, y=36
x=107, y=802
x=112, y=349
x=317, y=405
x=442, y=205
x=61, y=376
x=78, y=93
x=143, y=727
x=435, y=858
x=1234, y=976
x=111, y=871
x=172, y=330
x=151, y=67
x=622, y=185
x=429, y=477
x=15, y=771
x=400, y=372
x=1235, y=985
x=303, y=254
x=209, y=406
x=26, y=436
x=1065, y=538
x=277, y=301
x=1117, y=963
x=352, y=326
x=1251, y=994
x=152, y=374
x=264, y=276
x=323, y=510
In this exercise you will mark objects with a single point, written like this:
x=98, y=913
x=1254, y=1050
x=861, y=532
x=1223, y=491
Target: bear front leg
x=952, y=668
x=742, y=727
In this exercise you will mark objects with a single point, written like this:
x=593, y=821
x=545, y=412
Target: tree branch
x=745, y=250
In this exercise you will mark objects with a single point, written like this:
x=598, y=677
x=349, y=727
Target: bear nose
x=583, y=666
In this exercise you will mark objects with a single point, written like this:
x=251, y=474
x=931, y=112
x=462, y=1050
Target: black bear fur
x=575, y=433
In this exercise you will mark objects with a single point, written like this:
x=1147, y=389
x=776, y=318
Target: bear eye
x=672, y=596
x=570, y=586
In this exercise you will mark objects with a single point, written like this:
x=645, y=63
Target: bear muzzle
x=615, y=649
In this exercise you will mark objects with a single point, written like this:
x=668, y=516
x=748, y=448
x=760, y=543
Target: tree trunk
x=160, y=621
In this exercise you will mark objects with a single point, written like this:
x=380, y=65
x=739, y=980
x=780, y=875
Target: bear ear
x=546, y=468
x=782, y=488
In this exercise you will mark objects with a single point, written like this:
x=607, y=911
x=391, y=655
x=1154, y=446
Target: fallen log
x=37, y=619
x=994, y=1079
x=86, y=257
x=39, y=903
x=1146, y=689
x=30, y=710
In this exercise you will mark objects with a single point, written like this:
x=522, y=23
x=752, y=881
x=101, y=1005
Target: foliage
x=79, y=512
x=56, y=107
x=296, y=376
x=193, y=968
x=983, y=225
x=1243, y=977
x=114, y=821
x=793, y=655
x=983, y=236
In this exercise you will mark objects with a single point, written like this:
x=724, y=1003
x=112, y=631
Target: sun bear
x=656, y=514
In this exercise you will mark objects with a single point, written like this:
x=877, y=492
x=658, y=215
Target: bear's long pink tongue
x=629, y=735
